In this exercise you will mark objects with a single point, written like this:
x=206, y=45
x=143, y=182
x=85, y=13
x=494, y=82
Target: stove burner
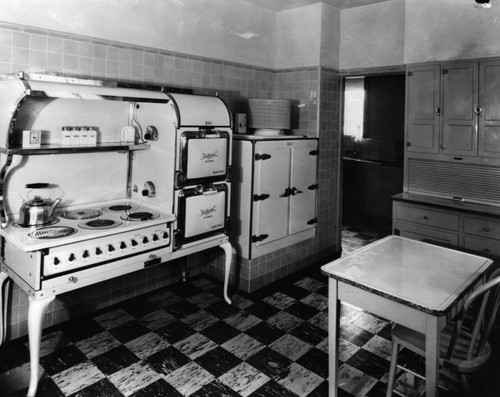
x=120, y=207
x=82, y=214
x=50, y=232
x=100, y=224
x=139, y=216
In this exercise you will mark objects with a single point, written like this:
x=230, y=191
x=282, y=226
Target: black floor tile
x=160, y=388
x=81, y=328
x=269, y=362
x=262, y=310
x=265, y=333
x=62, y=359
x=129, y=331
x=181, y=309
x=369, y=363
x=215, y=389
x=218, y=361
x=220, y=332
x=273, y=389
x=175, y=331
x=309, y=333
x=114, y=360
x=315, y=360
x=301, y=310
x=167, y=360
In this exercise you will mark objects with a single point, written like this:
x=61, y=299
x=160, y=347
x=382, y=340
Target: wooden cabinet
x=489, y=107
x=460, y=109
x=442, y=222
x=423, y=97
x=274, y=194
x=453, y=109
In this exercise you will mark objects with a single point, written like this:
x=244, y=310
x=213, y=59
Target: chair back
x=487, y=298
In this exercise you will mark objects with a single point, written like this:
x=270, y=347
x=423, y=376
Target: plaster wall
x=330, y=37
x=450, y=29
x=373, y=35
x=298, y=37
x=234, y=31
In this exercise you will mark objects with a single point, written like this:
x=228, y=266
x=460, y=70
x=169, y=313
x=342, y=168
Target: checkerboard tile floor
x=184, y=340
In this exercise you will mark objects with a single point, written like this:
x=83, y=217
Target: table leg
x=333, y=337
x=35, y=317
x=4, y=298
x=432, y=335
x=227, y=271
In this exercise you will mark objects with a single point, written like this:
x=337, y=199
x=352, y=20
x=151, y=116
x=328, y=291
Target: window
x=354, y=104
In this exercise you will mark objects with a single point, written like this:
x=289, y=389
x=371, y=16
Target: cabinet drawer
x=482, y=227
x=427, y=235
x=428, y=217
x=484, y=246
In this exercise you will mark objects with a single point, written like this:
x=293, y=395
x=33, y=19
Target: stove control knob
x=85, y=254
x=56, y=261
x=98, y=251
x=145, y=240
x=123, y=245
x=134, y=242
x=155, y=237
x=165, y=235
x=71, y=257
x=111, y=248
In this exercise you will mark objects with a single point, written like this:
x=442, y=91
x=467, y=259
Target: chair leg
x=392, y=369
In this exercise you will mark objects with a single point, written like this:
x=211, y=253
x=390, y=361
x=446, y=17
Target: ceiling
x=279, y=5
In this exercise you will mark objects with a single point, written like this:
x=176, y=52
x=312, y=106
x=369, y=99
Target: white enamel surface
x=199, y=110
x=421, y=274
x=19, y=236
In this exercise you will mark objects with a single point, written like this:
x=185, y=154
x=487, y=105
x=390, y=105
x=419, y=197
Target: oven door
x=203, y=157
x=202, y=212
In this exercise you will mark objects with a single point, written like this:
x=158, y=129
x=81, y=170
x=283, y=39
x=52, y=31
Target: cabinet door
x=302, y=182
x=423, y=96
x=272, y=178
x=489, y=118
x=460, y=99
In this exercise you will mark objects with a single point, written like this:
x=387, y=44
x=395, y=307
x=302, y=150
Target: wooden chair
x=464, y=346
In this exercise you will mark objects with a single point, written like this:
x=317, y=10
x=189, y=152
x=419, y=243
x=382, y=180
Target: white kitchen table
x=408, y=282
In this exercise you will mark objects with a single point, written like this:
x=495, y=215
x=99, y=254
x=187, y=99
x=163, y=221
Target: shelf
x=55, y=149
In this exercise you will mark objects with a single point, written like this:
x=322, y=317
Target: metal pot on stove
x=37, y=211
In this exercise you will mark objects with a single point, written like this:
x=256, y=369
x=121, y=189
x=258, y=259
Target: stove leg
x=227, y=271
x=4, y=298
x=35, y=317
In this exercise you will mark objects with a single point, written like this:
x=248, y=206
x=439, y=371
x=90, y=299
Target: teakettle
x=37, y=211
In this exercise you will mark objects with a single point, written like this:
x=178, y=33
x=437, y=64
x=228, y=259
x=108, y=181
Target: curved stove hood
x=200, y=110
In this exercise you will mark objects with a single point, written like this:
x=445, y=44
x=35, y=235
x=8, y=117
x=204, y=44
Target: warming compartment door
x=203, y=157
x=202, y=212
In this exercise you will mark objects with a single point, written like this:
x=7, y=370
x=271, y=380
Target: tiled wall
x=314, y=90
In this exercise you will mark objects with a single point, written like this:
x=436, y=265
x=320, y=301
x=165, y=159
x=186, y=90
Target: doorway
x=373, y=149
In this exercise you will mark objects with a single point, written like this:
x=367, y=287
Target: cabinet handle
x=288, y=192
x=478, y=110
x=296, y=191
x=425, y=218
x=438, y=111
x=486, y=229
x=72, y=279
